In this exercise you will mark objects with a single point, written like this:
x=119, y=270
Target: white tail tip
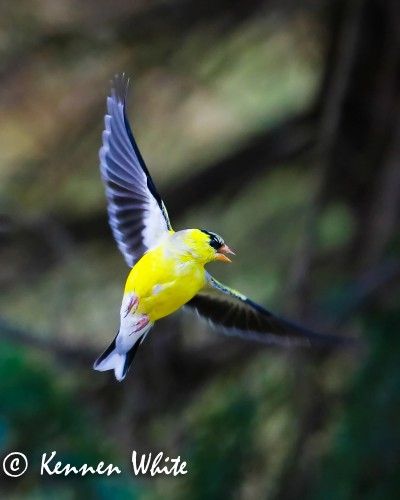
x=114, y=361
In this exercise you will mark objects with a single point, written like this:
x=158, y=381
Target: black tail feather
x=105, y=354
x=129, y=356
x=111, y=359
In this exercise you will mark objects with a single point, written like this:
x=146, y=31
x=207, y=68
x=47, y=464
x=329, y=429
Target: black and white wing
x=235, y=314
x=136, y=212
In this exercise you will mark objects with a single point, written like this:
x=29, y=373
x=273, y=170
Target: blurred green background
x=275, y=124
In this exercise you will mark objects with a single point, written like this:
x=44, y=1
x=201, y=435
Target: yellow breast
x=164, y=283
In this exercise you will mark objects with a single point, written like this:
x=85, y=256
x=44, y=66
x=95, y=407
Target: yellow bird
x=168, y=267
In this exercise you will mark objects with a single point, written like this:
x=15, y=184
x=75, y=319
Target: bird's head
x=206, y=246
x=219, y=248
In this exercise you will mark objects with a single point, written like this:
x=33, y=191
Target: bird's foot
x=140, y=323
x=130, y=305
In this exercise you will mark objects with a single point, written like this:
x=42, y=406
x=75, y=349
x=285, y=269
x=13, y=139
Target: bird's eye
x=215, y=243
x=215, y=240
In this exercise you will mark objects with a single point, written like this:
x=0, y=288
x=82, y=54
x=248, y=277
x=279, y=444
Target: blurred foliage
x=363, y=462
x=220, y=433
x=282, y=117
x=39, y=414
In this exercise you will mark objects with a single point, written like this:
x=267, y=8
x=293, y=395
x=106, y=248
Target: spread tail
x=111, y=359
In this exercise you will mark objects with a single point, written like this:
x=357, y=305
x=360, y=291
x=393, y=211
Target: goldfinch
x=167, y=266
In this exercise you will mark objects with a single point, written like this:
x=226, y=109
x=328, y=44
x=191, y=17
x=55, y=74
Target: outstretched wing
x=136, y=212
x=235, y=314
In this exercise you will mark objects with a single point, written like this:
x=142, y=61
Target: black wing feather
x=235, y=314
x=137, y=214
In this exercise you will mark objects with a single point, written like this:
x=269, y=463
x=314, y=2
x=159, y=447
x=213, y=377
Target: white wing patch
x=137, y=215
x=154, y=224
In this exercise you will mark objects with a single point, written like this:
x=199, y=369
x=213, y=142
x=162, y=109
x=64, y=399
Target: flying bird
x=167, y=266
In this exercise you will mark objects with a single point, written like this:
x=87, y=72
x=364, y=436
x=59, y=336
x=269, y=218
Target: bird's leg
x=129, y=305
x=142, y=321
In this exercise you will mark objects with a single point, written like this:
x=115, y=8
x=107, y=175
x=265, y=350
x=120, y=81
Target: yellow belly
x=164, y=285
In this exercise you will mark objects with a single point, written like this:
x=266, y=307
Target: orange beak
x=221, y=254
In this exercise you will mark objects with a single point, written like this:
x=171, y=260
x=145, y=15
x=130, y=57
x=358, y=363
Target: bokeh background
x=273, y=123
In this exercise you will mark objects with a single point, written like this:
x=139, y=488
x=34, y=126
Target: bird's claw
x=132, y=305
x=140, y=324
